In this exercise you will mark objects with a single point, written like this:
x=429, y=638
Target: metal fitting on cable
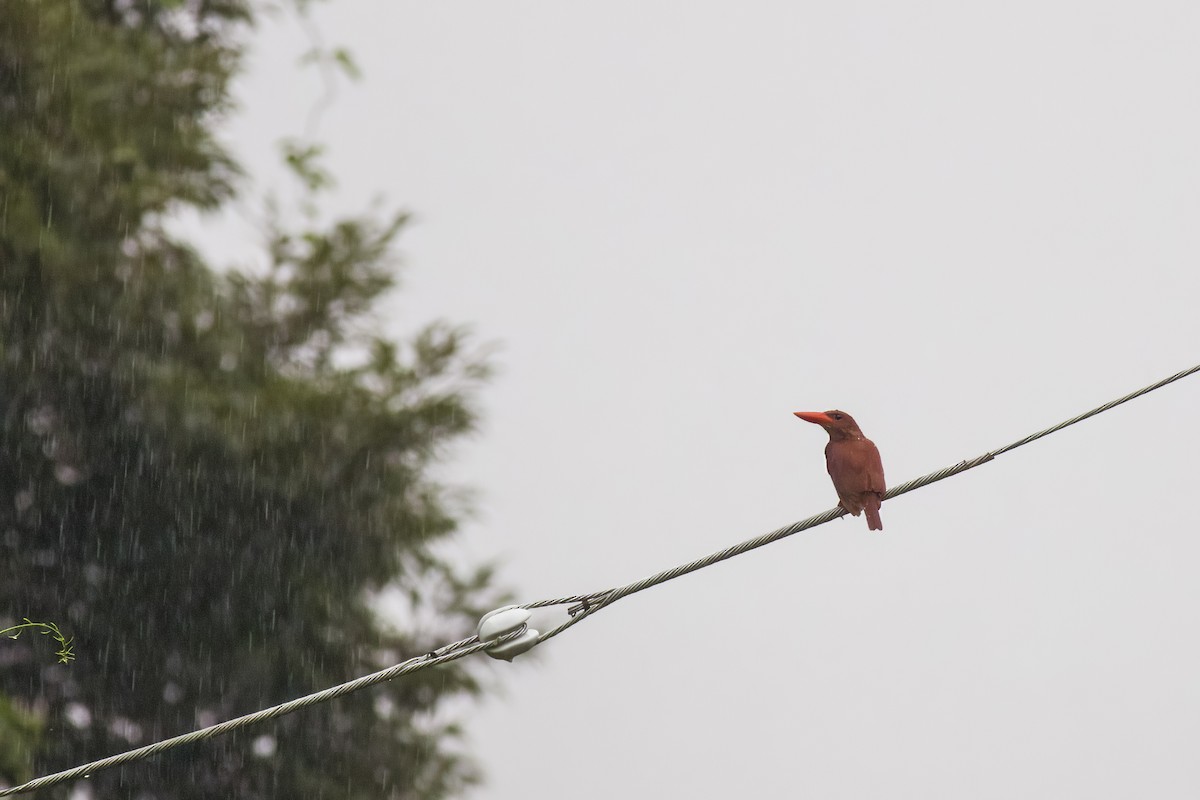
x=507, y=627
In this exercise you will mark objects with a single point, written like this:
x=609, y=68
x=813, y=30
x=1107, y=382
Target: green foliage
x=20, y=732
x=339, y=58
x=65, y=654
x=304, y=161
x=207, y=477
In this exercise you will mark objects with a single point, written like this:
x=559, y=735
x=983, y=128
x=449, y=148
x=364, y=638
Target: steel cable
x=581, y=607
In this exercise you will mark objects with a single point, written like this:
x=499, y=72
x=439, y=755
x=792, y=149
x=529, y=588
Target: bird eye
x=837, y=416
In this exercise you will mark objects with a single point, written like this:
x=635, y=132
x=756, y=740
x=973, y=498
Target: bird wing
x=855, y=466
x=874, y=468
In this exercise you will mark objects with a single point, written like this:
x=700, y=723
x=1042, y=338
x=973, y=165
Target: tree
x=205, y=478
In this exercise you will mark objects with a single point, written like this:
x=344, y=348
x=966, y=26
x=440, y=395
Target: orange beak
x=815, y=417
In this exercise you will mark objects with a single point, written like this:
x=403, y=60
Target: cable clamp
x=506, y=626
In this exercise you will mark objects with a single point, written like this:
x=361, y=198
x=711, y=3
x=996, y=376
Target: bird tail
x=871, y=506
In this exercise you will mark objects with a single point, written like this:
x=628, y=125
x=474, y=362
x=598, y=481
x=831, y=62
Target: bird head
x=838, y=424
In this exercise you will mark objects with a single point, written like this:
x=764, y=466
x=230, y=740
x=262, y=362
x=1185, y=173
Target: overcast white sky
x=961, y=222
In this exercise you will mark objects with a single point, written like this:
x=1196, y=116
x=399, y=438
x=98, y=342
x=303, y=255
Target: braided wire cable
x=586, y=605
x=581, y=607
x=450, y=652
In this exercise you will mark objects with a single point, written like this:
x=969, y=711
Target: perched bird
x=853, y=462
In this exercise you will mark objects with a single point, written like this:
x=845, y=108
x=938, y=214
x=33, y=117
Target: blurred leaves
x=209, y=477
x=19, y=734
x=302, y=159
x=338, y=57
